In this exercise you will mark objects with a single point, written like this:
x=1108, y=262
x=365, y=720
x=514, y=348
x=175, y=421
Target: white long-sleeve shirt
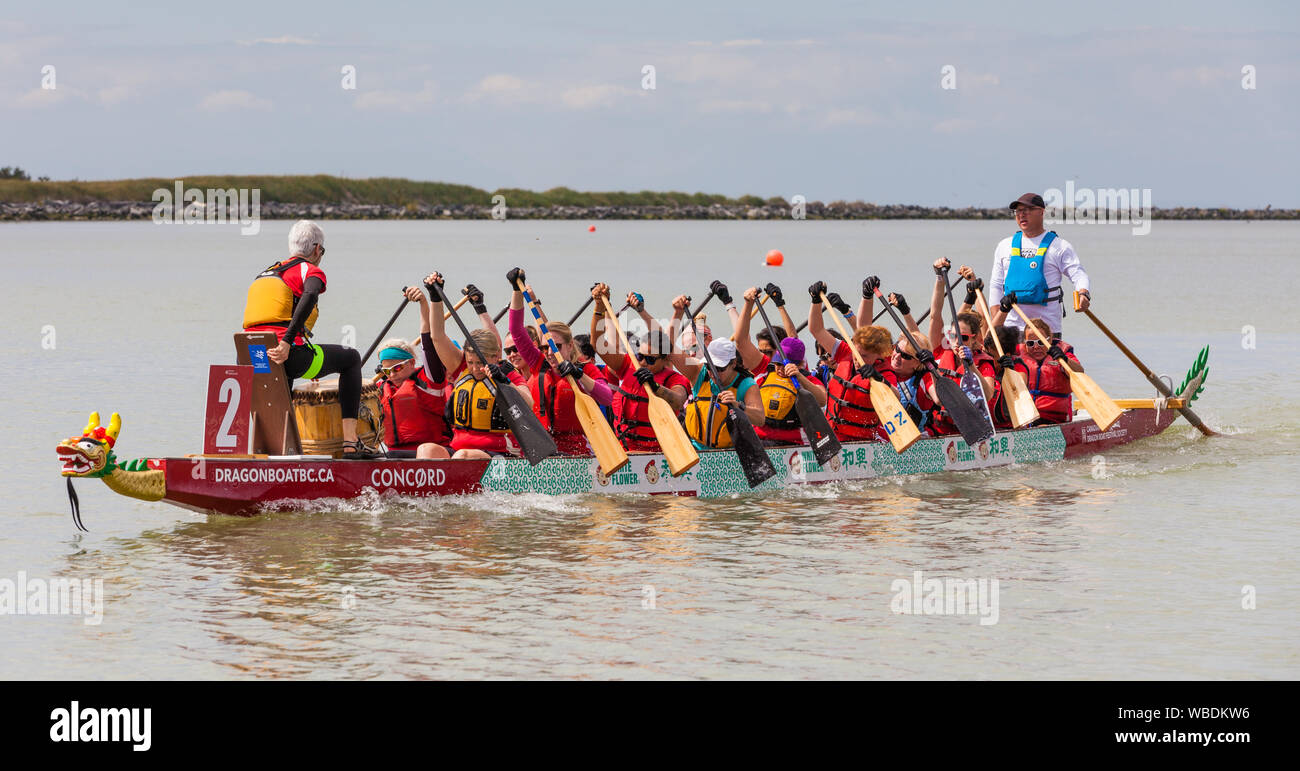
x=1061, y=260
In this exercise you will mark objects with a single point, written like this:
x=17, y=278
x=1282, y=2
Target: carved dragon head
x=91, y=454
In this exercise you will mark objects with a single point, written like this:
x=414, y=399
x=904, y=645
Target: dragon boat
x=248, y=485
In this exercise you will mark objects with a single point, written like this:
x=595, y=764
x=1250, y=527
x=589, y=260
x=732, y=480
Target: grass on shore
x=325, y=189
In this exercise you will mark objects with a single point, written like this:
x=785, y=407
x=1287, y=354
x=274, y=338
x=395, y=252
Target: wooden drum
x=320, y=418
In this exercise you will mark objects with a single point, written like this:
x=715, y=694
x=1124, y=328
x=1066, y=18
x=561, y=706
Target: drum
x=320, y=418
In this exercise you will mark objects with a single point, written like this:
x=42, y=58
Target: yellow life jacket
x=706, y=419
x=778, y=394
x=473, y=407
x=270, y=300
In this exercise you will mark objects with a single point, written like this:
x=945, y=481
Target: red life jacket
x=556, y=410
x=1050, y=386
x=848, y=403
x=413, y=412
x=632, y=407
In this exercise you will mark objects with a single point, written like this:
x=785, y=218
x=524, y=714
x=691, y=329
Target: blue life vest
x=908, y=388
x=1025, y=273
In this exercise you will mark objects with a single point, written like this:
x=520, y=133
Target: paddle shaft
x=882, y=312
x=387, y=327
x=457, y=306
x=1151, y=376
x=584, y=307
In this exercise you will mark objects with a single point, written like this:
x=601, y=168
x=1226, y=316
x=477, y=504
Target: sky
x=828, y=100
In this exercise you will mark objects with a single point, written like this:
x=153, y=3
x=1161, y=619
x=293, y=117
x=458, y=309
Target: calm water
x=1138, y=574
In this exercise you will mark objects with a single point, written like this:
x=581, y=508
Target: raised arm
x=816, y=326
x=684, y=364
x=866, y=306
x=936, y=301
x=778, y=299
x=972, y=283
x=750, y=356
x=448, y=353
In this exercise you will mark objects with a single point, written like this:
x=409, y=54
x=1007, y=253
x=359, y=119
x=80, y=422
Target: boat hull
x=244, y=487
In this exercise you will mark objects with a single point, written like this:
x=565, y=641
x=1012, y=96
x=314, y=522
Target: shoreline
x=64, y=211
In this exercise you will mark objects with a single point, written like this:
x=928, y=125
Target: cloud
x=400, y=101
x=583, y=97
x=113, y=95
x=223, y=101
x=735, y=105
x=850, y=117
x=954, y=126
x=739, y=43
x=39, y=98
x=283, y=40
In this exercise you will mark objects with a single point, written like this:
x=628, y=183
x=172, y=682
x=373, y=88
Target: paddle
x=1150, y=376
x=1015, y=391
x=578, y=313
x=971, y=383
x=534, y=442
x=609, y=453
x=1101, y=407
x=459, y=303
x=387, y=327
x=753, y=458
x=497, y=318
x=899, y=426
x=882, y=312
x=824, y=443
x=970, y=421
x=673, y=441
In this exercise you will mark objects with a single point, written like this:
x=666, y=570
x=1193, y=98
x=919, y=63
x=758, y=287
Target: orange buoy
x=591, y=228
x=775, y=258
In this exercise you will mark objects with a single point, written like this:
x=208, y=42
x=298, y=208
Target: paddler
x=479, y=429
x=1042, y=367
x=950, y=355
x=777, y=383
x=848, y=399
x=552, y=395
x=283, y=299
x=652, y=369
x=413, y=398
x=706, y=412
x=1031, y=262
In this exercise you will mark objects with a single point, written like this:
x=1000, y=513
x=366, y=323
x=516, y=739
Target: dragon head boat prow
x=91, y=455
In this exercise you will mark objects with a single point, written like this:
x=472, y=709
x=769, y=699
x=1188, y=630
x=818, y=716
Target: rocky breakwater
x=55, y=210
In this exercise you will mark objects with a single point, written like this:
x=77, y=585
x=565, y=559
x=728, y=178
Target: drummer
x=282, y=299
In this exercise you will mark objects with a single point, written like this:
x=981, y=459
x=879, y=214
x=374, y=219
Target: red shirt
x=295, y=278
x=638, y=437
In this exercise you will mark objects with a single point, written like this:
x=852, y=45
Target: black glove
x=569, y=369
x=647, y=379
x=816, y=291
x=925, y=357
x=971, y=286
x=434, y=289
x=516, y=277
x=900, y=303
x=774, y=292
x=476, y=300
x=869, y=372
x=942, y=269
x=1008, y=300
x=498, y=372
x=1056, y=353
x=869, y=286
x=1007, y=362
x=720, y=289
x=838, y=303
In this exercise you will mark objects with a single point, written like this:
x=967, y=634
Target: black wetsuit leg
x=340, y=360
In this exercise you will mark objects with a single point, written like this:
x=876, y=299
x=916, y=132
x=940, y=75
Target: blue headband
x=388, y=354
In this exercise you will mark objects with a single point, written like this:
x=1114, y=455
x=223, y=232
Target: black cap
x=1029, y=199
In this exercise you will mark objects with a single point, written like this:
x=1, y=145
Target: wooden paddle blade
x=899, y=426
x=824, y=443
x=749, y=449
x=1101, y=407
x=535, y=443
x=609, y=453
x=971, y=422
x=673, y=441
x=1020, y=403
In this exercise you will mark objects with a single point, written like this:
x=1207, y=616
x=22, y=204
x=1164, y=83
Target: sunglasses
x=392, y=369
x=965, y=338
x=1034, y=344
x=900, y=352
x=647, y=359
x=511, y=351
